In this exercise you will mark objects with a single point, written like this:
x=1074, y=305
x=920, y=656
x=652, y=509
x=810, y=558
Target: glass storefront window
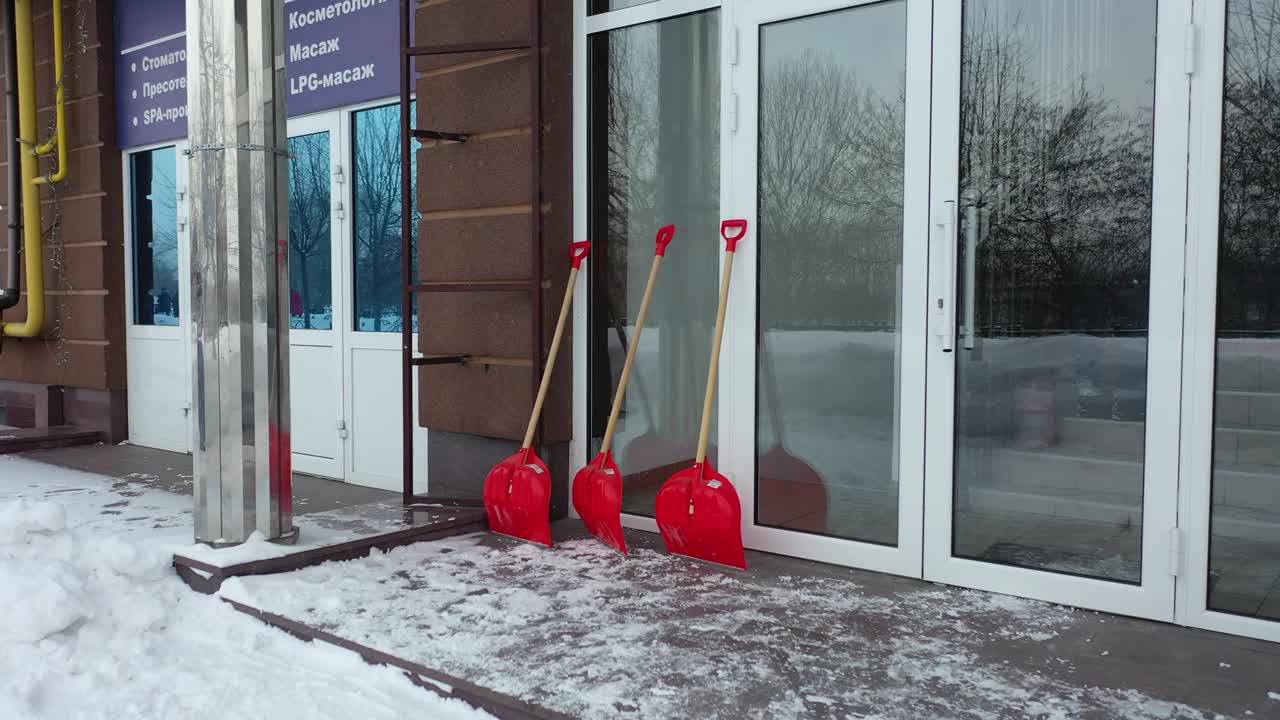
x=377, y=250
x=1054, y=248
x=653, y=155
x=602, y=6
x=152, y=177
x=1244, y=550
x=310, y=236
x=831, y=163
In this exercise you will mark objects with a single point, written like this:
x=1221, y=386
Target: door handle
x=945, y=252
x=970, y=272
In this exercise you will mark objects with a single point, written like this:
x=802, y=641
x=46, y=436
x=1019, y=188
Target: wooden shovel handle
x=577, y=253
x=631, y=357
x=704, y=432
x=733, y=232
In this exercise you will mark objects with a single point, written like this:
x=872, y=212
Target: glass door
x=822, y=395
x=1231, y=454
x=1055, y=299
x=157, y=297
x=315, y=338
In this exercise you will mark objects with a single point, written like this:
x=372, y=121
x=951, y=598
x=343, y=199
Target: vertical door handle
x=970, y=272
x=945, y=252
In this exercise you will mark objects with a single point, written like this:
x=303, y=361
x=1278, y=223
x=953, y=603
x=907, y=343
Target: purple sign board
x=338, y=52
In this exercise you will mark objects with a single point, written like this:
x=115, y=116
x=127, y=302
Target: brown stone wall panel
x=83, y=317
x=84, y=175
x=476, y=174
x=94, y=20
x=480, y=248
x=488, y=324
x=88, y=218
x=85, y=122
x=476, y=99
x=493, y=401
x=37, y=361
x=76, y=267
x=490, y=247
x=83, y=78
x=464, y=21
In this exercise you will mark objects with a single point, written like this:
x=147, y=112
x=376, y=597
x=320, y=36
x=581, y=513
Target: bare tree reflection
x=309, y=231
x=377, y=218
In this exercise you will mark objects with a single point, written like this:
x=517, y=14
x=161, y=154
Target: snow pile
x=98, y=626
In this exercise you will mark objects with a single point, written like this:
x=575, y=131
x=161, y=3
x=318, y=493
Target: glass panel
x=1244, y=557
x=310, y=241
x=377, y=219
x=600, y=6
x=654, y=159
x=156, y=278
x=1054, y=263
x=832, y=116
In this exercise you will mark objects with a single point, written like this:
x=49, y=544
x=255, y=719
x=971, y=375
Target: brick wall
x=84, y=289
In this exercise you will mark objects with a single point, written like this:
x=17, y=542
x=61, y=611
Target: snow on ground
x=97, y=625
x=581, y=630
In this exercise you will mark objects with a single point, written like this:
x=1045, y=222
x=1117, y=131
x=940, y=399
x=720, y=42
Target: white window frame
x=1200, y=336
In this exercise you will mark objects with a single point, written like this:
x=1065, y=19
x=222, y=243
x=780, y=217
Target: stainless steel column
x=239, y=269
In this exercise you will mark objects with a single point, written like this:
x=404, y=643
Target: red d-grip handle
x=732, y=231
x=578, y=252
x=666, y=234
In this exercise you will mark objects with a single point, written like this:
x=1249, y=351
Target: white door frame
x=385, y=426
x=738, y=387
x=1154, y=597
x=1199, y=350
x=138, y=336
x=326, y=122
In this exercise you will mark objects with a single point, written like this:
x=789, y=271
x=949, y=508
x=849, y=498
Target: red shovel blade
x=517, y=497
x=597, y=496
x=700, y=516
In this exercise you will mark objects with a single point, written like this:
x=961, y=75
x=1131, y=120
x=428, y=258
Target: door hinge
x=339, y=212
x=734, y=46
x=1177, y=554
x=338, y=176
x=1190, y=49
x=733, y=112
x=342, y=429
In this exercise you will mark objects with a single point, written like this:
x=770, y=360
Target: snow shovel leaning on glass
x=698, y=510
x=597, y=488
x=517, y=491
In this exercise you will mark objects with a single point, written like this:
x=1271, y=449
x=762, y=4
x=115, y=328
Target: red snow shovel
x=597, y=488
x=698, y=510
x=517, y=491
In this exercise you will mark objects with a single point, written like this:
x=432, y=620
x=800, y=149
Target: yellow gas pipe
x=32, y=230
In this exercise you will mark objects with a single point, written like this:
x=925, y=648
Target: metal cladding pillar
x=239, y=269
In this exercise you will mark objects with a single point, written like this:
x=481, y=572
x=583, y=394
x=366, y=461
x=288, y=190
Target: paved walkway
x=583, y=631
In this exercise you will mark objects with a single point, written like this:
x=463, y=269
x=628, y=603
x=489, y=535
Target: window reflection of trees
x=377, y=219
x=831, y=176
x=1249, y=258
x=156, y=237
x=310, y=244
x=1060, y=175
